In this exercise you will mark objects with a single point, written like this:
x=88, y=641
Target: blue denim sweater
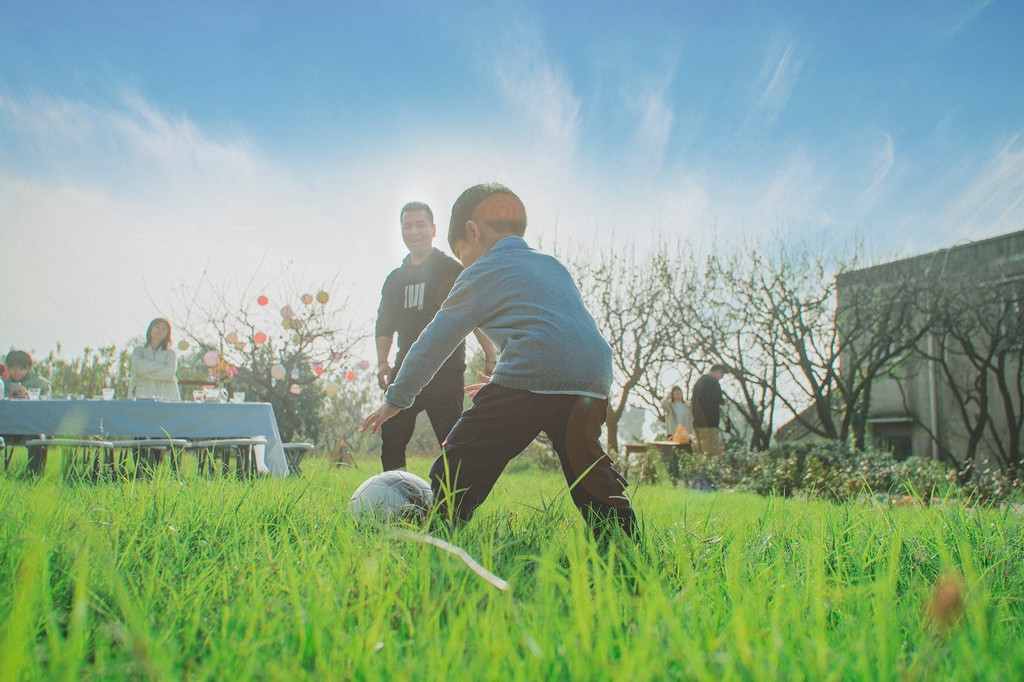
x=529, y=306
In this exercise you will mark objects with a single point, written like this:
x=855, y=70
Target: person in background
x=707, y=411
x=21, y=377
x=676, y=414
x=409, y=299
x=154, y=365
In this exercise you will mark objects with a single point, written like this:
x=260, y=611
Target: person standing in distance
x=410, y=297
x=155, y=365
x=707, y=411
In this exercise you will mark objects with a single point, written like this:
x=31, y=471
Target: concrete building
x=957, y=391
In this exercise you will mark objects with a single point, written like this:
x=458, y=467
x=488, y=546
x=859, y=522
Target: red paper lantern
x=351, y=376
x=263, y=300
x=260, y=337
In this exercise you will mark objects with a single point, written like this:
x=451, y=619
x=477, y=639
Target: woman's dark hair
x=149, y=332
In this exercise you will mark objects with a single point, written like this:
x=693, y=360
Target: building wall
x=914, y=402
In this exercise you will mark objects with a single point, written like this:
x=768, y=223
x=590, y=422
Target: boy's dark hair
x=416, y=206
x=18, y=358
x=506, y=214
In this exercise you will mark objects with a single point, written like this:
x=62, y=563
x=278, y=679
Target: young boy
x=22, y=377
x=553, y=373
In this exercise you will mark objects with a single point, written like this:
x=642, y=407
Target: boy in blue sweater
x=553, y=374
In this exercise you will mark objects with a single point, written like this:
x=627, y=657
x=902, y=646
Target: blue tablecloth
x=114, y=419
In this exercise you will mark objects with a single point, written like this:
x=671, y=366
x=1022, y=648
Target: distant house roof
x=1004, y=252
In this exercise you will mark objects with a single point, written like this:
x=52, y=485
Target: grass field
x=273, y=579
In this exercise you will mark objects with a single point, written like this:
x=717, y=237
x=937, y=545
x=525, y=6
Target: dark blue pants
x=501, y=423
x=442, y=400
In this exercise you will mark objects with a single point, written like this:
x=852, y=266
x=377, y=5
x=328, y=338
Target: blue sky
x=143, y=143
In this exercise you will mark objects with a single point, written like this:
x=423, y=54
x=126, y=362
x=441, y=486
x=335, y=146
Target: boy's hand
x=379, y=416
x=383, y=375
x=472, y=389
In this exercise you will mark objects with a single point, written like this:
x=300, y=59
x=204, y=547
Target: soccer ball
x=392, y=495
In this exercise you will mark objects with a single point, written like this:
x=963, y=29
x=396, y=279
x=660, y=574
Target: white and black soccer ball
x=391, y=495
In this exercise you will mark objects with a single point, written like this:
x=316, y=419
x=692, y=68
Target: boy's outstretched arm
x=379, y=416
x=472, y=389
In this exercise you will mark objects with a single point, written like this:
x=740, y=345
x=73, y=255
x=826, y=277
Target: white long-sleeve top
x=153, y=374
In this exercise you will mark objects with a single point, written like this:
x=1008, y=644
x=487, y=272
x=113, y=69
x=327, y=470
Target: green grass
x=273, y=579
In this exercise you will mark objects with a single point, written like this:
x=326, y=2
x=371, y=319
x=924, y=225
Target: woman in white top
x=154, y=365
x=676, y=414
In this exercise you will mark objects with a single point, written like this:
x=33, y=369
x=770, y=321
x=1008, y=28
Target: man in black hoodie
x=707, y=411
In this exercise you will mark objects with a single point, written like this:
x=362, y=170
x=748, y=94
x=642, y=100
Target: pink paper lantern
x=287, y=312
x=307, y=298
x=364, y=365
x=211, y=358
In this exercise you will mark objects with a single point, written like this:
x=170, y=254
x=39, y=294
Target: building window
x=895, y=438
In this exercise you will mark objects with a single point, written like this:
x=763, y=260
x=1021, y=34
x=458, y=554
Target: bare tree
x=279, y=342
x=880, y=318
x=628, y=298
x=978, y=348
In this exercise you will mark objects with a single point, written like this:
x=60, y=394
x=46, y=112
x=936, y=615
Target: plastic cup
x=238, y=397
x=108, y=394
x=197, y=395
x=33, y=393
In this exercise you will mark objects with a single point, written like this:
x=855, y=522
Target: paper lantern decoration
x=364, y=365
x=323, y=297
x=296, y=389
x=286, y=323
x=331, y=390
x=240, y=345
x=211, y=358
x=307, y=298
x=287, y=312
x=182, y=345
x=263, y=300
x=318, y=369
x=259, y=338
x=336, y=357
x=277, y=372
x=231, y=338
x=351, y=376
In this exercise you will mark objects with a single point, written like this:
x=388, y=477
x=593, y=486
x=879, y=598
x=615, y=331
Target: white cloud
x=992, y=201
x=126, y=204
x=655, y=120
x=538, y=87
x=779, y=75
x=793, y=193
x=879, y=171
